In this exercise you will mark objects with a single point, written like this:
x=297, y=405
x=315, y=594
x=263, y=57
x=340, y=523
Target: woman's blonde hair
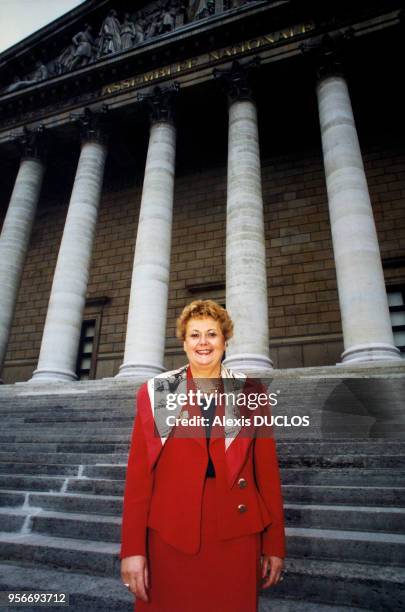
x=204, y=308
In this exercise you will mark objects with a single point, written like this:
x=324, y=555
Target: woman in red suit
x=203, y=520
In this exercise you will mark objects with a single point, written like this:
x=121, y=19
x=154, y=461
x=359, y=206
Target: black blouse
x=209, y=413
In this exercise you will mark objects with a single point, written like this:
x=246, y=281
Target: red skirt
x=224, y=576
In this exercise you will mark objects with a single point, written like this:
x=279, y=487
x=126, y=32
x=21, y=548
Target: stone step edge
x=291, y=604
x=63, y=477
x=288, y=470
x=344, y=508
x=39, y=540
x=112, y=548
x=347, y=570
x=341, y=534
x=66, y=516
x=120, y=497
x=301, y=457
x=59, y=494
x=350, y=571
x=287, y=487
x=318, y=487
x=122, y=465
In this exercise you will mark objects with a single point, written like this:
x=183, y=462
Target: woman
x=203, y=518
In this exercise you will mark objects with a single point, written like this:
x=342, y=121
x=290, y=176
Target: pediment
x=101, y=29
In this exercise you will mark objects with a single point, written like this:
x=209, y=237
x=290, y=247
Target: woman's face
x=204, y=343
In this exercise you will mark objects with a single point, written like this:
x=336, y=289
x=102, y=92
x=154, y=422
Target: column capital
x=93, y=124
x=31, y=143
x=326, y=54
x=160, y=102
x=236, y=80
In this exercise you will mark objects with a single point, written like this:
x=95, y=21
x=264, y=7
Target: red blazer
x=164, y=487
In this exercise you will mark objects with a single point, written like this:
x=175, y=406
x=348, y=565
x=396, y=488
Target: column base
x=142, y=371
x=249, y=362
x=40, y=376
x=363, y=353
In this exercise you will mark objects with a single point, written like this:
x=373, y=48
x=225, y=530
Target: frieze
x=160, y=74
x=232, y=51
x=120, y=33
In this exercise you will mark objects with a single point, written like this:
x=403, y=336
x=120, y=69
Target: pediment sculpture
x=119, y=33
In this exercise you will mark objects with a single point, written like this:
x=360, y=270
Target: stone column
x=246, y=278
x=367, y=331
x=16, y=231
x=146, y=326
x=61, y=337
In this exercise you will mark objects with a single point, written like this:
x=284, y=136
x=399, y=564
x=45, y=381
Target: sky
x=19, y=18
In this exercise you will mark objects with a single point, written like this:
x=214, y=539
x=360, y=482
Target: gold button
x=242, y=483
x=242, y=508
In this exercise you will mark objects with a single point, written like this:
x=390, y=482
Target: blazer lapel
x=235, y=435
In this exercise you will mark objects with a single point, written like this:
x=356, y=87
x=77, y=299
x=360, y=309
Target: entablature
x=187, y=54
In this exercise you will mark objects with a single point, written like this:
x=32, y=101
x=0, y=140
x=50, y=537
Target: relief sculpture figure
x=83, y=53
x=110, y=35
x=128, y=33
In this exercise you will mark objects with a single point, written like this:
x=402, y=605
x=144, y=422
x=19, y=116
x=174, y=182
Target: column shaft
x=367, y=331
x=60, y=342
x=246, y=280
x=14, y=241
x=146, y=327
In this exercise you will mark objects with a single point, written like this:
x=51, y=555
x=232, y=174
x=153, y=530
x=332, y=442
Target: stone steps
x=56, y=484
x=101, y=557
x=62, y=524
x=286, y=461
x=107, y=527
x=90, y=556
x=86, y=592
x=64, y=502
x=336, y=544
x=293, y=605
x=371, y=587
x=344, y=461
x=69, y=458
x=295, y=493
x=350, y=476
x=64, y=447
x=305, y=476
x=289, y=448
x=51, y=469
x=54, y=437
x=62, y=471
x=321, y=494
x=356, y=518
x=53, y=410
x=99, y=594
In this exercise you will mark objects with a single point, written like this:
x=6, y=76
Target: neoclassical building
x=252, y=152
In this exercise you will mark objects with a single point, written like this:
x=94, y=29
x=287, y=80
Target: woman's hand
x=134, y=572
x=273, y=566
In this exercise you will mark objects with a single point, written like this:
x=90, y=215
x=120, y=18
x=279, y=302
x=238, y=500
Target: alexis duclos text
x=252, y=401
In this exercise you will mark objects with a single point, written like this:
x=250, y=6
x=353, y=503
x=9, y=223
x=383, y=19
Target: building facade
x=251, y=152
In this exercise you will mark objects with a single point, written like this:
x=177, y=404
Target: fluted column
x=16, y=231
x=246, y=277
x=367, y=331
x=146, y=326
x=61, y=337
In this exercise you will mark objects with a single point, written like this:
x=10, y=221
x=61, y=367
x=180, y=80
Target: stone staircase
x=63, y=451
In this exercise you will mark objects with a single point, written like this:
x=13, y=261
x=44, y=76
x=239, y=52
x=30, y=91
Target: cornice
x=56, y=98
